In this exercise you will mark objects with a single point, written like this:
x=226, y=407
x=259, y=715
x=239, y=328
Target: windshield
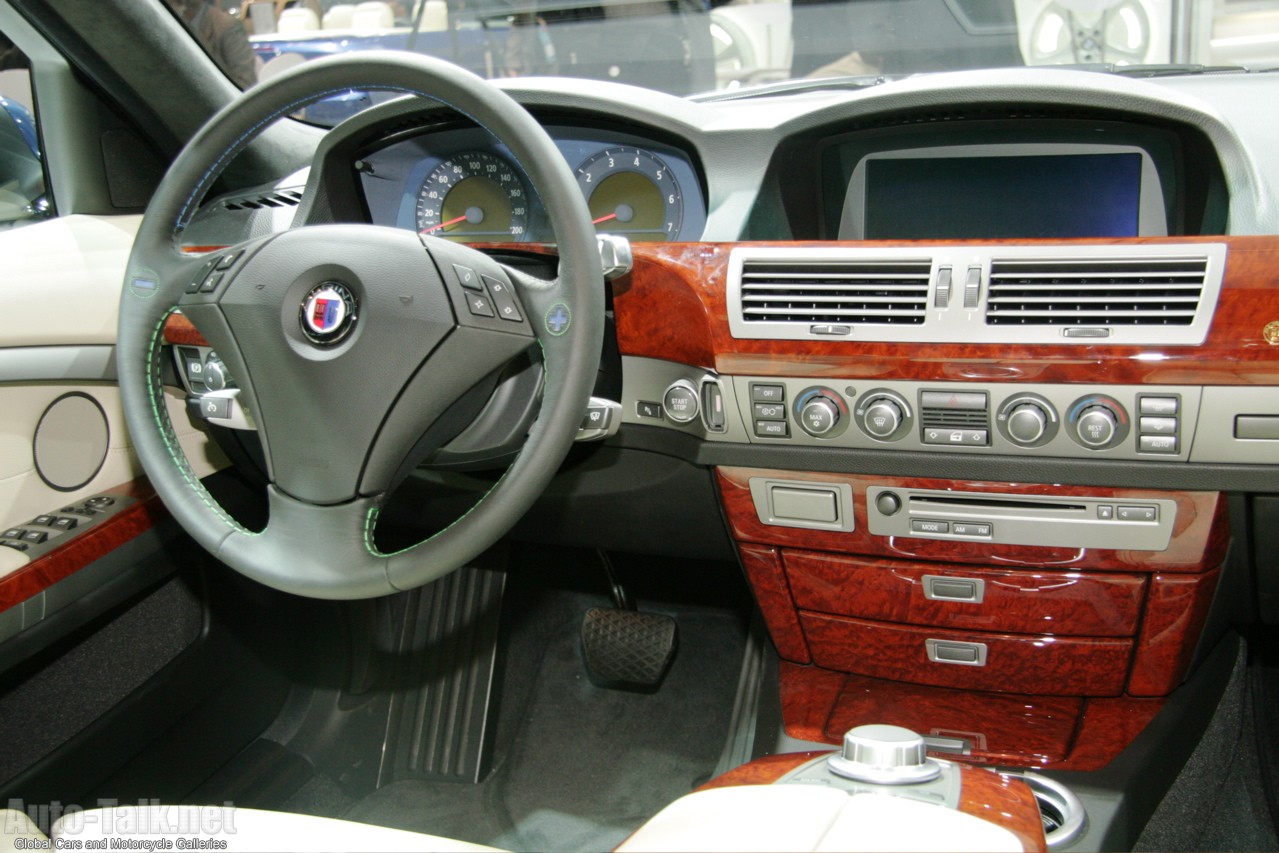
x=697, y=46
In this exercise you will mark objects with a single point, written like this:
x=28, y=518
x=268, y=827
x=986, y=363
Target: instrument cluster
x=461, y=184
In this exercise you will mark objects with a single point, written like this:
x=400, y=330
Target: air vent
x=283, y=198
x=1096, y=293
x=848, y=293
x=1068, y=294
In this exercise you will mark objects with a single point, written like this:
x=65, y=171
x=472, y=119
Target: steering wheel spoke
x=358, y=346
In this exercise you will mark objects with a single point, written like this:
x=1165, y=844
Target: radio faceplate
x=1141, y=524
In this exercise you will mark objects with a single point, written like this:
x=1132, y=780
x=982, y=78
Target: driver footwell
x=572, y=766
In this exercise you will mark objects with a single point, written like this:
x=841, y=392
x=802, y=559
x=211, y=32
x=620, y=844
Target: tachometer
x=473, y=196
x=632, y=192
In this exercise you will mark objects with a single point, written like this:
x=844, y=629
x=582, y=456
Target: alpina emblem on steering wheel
x=328, y=313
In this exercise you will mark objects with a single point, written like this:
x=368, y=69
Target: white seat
x=372, y=15
x=276, y=64
x=339, y=17
x=17, y=832
x=435, y=18
x=762, y=818
x=297, y=20
x=239, y=829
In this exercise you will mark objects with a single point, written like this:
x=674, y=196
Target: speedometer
x=473, y=196
x=632, y=192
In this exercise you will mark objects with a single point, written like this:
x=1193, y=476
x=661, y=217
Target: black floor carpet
x=1218, y=801
x=579, y=767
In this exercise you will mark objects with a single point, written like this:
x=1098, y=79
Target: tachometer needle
x=454, y=221
x=604, y=219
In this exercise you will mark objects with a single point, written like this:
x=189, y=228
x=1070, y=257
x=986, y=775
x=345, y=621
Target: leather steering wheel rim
x=324, y=548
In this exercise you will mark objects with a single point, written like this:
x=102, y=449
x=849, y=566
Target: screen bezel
x=1152, y=219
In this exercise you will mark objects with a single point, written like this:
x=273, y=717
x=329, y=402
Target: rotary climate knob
x=882, y=418
x=1026, y=423
x=1096, y=426
x=819, y=416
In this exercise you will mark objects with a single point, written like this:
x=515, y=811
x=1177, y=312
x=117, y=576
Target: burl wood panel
x=1175, y=614
x=1107, y=728
x=1199, y=538
x=1052, y=732
x=672, y=306
x=995, y=797
x=1018, y=601
x=809, y=696
x=80, y=551
x=762, y=771
x=1049, y=666
x=764, y=570
x=1001, y=729
x=179, y=330
x=1005, y=801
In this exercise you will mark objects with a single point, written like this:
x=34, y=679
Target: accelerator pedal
x=625, y=648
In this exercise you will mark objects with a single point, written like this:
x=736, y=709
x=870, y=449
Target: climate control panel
x=1120, y=422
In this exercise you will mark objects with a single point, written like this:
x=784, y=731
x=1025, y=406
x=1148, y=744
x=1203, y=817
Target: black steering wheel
x=349, y=341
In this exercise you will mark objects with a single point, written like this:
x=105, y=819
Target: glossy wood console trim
x=1050, y=732
x=1027, y=731
x=180, y=330
x=1175, y=614
x=1015, y=663
x=1025, y=602
x=673, y=306
x=763, y=567
x=83, y=549
x=764, y=770
x=1199, y=538
x=994, y=797
x=1005, y=801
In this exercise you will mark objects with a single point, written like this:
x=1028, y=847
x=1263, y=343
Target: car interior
x=396, y=458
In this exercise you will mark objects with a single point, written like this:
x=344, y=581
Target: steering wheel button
x=479, y=305
x=503, y=300
x=228, y=260
x=215, y=407
x=211, y=283
x=468, y=278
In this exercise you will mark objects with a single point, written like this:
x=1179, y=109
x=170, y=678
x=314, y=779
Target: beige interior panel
x=24, y=495
x=62, y=279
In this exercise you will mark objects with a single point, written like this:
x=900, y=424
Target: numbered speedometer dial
x=473, y=196
x=632, y=192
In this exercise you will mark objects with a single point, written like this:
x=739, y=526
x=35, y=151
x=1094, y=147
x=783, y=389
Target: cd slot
x=953, y=504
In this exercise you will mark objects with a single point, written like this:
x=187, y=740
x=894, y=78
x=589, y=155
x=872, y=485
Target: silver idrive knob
x=884, y=755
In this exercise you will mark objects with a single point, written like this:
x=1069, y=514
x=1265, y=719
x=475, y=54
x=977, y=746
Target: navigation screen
x=1051, y=196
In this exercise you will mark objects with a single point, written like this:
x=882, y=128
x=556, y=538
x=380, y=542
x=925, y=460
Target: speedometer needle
x=455, y=221
x=604, y=219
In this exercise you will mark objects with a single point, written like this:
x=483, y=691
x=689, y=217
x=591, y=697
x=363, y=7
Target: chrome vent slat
x=1095, y=292
x=869, y=293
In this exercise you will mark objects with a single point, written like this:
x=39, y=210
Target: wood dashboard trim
x=673, y=306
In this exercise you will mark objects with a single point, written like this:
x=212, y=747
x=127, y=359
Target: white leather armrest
x=235, y=829
x=766, y=818
x=17, y=832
